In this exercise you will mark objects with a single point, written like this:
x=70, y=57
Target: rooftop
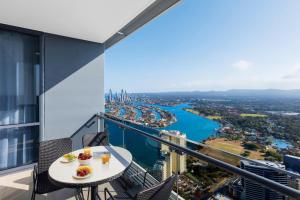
x=264, y=163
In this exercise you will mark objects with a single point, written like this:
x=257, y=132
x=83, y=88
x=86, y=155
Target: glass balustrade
x=203, y=171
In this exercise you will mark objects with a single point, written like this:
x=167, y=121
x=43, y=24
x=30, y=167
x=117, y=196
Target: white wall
x=75, y=96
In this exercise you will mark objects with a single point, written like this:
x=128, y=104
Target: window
x=19, y=92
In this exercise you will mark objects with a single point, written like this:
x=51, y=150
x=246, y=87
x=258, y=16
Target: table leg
x=94, y=193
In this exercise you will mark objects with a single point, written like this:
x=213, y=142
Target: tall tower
x=255, y=191
x=116, y=97
x=122, y=96
x=292, y=163
x=125, y=97
x=174, y=162
x=110, y=97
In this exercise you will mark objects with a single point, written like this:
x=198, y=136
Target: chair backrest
x=95, y=139
x=162, y=191
x=50, y=150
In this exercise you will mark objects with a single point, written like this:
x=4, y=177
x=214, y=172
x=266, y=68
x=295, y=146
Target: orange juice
x=87, y=150
x=105, y=158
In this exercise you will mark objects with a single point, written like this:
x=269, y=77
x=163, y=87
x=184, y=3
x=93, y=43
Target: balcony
x=52, y=81
x=161, y=154
x=18, y=186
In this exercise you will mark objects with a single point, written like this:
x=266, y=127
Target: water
x=146, y=151
x=281, y=144
x=122, y=112
x=195, y=127
x=157, y=116
x=138, y=114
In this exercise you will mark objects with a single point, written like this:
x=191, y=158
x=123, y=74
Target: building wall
x=292, y=163
x=255, y=191
x=173, y=161
x=73, y=85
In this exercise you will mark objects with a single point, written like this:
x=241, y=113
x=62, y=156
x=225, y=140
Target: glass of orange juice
x=105, y=158
x=87, y=150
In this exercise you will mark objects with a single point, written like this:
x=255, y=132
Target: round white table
x=61, y=174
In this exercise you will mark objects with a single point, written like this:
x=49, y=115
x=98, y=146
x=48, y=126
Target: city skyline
x=258, y=49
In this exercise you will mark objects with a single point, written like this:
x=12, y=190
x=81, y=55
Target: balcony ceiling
x=92, y=20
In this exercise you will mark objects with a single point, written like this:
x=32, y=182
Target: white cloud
x=293, y=74
x=242, y=65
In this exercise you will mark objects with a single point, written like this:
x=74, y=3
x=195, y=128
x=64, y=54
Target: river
x=195, y=127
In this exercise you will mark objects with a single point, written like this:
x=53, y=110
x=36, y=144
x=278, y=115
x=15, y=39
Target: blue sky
x=211, y=45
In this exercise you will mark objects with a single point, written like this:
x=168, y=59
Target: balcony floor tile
x=18, y=186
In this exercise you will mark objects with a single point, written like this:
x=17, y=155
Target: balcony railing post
x=123, y=135
x=100, y=124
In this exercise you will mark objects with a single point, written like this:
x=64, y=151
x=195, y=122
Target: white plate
x=64, y=160
x=81, y=177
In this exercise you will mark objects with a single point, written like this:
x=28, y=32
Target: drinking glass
x=105, y=158
x=87, y=150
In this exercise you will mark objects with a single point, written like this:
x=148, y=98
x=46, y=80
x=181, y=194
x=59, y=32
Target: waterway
x=195, y=127
x=145, y=151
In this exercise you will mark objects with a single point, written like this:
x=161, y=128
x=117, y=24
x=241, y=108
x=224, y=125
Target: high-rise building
x=235, y=189
x=110, y=96
x=122, y=96
x=292, y=163
x=174, y=161
x=257, y=192
x=116, y=97
x=125, y=96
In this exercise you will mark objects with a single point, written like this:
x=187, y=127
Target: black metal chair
x=161, y=191
x=49, y=151
x=133, y=180
x=95, y=139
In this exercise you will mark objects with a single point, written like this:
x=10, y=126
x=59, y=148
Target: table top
x=61, y=174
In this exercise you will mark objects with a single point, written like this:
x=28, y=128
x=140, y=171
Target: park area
x=233, y=146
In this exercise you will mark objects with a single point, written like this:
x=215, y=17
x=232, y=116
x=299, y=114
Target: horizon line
x=226, y=90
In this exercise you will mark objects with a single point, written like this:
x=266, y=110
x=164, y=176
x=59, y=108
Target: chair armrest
x=106, y=191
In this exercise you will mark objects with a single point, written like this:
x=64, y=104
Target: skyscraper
x=292, y=163
x=122, y=96
x=174, y=162
x=257, y=192
x=116, y=97
x=110, y=97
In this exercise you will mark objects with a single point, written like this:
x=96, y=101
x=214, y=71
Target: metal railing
x=91, y=126
x=280, y=170
x=267, y=183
